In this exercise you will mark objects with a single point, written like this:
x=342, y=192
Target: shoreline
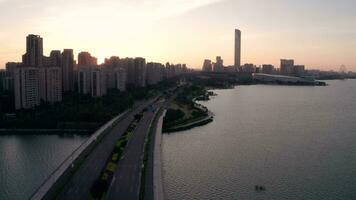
x=83, y=132
x=198, y=121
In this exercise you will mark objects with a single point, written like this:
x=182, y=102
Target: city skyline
x=188, y=31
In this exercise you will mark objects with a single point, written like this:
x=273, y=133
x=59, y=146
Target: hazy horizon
x=318, y=34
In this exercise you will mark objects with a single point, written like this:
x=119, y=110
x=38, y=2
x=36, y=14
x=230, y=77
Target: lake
x=298, y=142
x=27, y=160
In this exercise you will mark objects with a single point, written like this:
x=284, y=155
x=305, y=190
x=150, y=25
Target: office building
x=237, y=49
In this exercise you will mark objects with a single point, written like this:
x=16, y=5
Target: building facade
x=237, y=49
x=27, y=87
x=68, y=70
x=34, y=51
x=219, y=65
x=267, y=69
x=287, y=66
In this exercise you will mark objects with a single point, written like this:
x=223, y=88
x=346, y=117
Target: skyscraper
x=237, y=48
x=34, y=51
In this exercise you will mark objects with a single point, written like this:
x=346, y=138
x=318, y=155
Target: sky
x=317, y=33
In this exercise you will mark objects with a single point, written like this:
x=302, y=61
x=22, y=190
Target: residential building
x=34, y=51
x=207, y=66
x=155, y=73
x=286, y=66
x=68, y=70
x=84, y=80
x=298, y=70
x=249, y=68
x=219, y=65
x=267, y=69
x=98, y=82
x=53, y=80
x=26, y=87
x=120, y=79
x=85, y=59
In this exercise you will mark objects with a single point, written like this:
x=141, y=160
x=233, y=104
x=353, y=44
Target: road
x=126, y=181
x=78, y=187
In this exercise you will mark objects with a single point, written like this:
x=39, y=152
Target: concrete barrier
x=158, y=190
x=48, y=190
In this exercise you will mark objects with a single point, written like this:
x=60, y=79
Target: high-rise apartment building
x=249, y=68
x=85, y=59
x=98, y=82
x=287, y=66
x=267, y=69
x=68, y=70
x=84, y=80
x=92, y=80
x=219, y=65
x=155, y=73
x=53, y=82
x=136, y=71
x=120, y=79
x=298, y=70
x=207, y=66
x=26, y=87
x=140, y=72
x=237, y=49
x=2, y=79
x=111, y=65
x=34, y=51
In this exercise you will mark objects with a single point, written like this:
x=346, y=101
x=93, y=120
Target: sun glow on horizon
x=185, y=31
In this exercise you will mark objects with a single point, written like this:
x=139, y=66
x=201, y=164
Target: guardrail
x=70, y=162
x=158, y=189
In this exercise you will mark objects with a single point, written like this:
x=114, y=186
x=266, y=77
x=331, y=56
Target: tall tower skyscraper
x=237, y=48
x=34, y=51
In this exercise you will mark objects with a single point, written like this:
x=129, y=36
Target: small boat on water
x=260, y=188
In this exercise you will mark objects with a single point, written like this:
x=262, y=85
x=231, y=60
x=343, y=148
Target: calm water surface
x=298, y=142
x=26, y=161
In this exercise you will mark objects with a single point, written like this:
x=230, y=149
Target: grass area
x=101, y=185
x=183, y=110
